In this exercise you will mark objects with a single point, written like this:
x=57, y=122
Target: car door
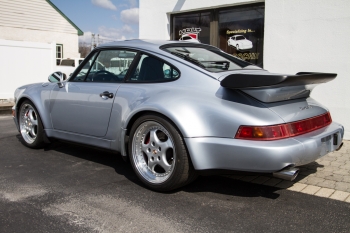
x=83, y=104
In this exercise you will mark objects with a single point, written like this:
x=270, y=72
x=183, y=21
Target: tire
x=31, y=127
x=158, y=154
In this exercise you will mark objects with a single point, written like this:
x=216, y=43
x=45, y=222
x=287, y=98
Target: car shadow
x=214, y=184
x=307, y=170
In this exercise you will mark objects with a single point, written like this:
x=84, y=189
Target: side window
x=110, y=66
x=151, y=69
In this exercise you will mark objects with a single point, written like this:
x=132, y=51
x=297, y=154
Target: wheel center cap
x=154, y=152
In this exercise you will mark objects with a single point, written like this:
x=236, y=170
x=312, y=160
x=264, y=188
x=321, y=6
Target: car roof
x=152, y=45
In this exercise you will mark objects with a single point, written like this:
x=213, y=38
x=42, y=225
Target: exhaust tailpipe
x=287, y=174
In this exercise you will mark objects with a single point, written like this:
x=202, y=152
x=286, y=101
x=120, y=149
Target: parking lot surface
x=70, y=188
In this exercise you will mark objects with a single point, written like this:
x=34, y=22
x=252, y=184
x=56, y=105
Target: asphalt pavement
x=71, y=188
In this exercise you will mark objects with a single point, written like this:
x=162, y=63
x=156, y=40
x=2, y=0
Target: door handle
x=105, y=95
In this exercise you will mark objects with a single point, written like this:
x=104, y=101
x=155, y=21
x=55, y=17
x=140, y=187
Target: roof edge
x=80, y=32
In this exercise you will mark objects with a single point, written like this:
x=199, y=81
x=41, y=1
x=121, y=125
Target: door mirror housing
x=57, y=77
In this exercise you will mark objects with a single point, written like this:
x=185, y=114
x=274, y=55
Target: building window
x=236, y=30
x=194, y=26
x=59, y=53
x=241, y=32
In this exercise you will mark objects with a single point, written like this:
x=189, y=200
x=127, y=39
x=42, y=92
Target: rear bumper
x=263, y=156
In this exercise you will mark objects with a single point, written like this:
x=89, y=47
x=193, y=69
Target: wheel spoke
x=32, y=132
x=152, y=164
x=164, y=164
x=166, y=145
x=31, y=117
x=144, y=148
x=154, y=137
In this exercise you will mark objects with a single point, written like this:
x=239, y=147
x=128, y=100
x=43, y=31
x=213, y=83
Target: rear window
x=213, y=61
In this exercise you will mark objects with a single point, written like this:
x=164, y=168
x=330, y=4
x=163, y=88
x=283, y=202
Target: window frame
x=59, y=45
x=136, y=62
x=82, y=64
x=215, y=50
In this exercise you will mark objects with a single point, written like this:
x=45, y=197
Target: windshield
x=67, y=63
x=212, y=61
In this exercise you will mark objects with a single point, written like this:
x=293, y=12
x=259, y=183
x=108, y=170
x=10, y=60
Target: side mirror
x=57, y=77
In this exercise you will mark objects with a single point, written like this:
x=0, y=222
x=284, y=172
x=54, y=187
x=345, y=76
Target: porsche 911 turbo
x=177, y=109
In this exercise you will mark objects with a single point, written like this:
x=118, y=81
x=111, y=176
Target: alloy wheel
x=153, y=152
x=28, y=122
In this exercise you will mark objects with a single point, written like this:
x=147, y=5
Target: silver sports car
x=179, y=109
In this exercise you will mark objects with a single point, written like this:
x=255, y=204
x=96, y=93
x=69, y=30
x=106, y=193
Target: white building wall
x=24, y=14
x=23, y=63
x=300, y=35
x=313, y=36
x=37, y=21
x=70, y=41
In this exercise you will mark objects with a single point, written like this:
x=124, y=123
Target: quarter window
x=151, y=69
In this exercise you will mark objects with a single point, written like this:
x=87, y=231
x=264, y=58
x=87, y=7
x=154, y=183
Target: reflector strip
x=275, y=132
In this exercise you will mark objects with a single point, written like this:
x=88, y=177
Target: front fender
x=39, y=95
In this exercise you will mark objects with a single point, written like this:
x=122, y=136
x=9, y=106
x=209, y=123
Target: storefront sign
x=189, y=32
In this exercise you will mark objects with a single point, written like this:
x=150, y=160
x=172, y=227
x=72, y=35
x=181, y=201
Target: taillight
x=275, y=132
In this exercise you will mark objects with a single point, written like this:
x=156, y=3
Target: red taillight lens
x=308, y=125
x=262, y=132
x=275, y=132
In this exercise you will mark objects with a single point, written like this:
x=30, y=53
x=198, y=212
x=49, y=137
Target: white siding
x=37, y=21
x=70, y=41
x=23, y=63
x=25, y=14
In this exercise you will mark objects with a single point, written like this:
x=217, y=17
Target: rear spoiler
x=240, y=81
x=270, y=88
